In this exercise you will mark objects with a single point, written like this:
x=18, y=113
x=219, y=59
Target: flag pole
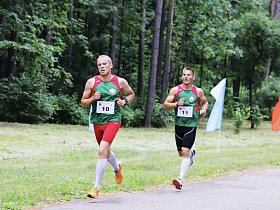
x=90, y=126
x=219, y=141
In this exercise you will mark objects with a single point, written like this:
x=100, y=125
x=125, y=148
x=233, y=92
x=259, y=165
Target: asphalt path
x=251, y=191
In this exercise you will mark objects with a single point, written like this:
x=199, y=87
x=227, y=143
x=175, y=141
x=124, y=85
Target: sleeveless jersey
x=110, y=92
x=191, y=100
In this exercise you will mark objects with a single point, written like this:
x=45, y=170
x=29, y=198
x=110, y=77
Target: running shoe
x=178, y=183
x=93, y=193
x=118, y=175
x=192, y=153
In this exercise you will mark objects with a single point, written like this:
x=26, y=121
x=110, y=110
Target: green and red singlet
x=188, y=114
x=106, y=108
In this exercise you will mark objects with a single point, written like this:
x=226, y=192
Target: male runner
x=104, y=93
x=185, y=99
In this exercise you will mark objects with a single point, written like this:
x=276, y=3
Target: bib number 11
x=184, y=111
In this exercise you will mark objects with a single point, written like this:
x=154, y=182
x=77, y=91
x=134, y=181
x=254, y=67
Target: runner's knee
x=186, y=152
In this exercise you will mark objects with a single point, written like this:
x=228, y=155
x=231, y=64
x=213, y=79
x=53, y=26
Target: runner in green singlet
x=185, y=99
x=104, y=93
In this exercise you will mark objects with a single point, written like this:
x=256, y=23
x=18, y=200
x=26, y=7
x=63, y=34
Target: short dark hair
x=190, y=69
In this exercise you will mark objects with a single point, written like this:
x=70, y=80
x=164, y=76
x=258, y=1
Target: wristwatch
x=126, y=101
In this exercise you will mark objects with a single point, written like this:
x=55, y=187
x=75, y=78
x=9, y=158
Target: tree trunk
x=167, y=51
x=141, y=64
x=47, y=35
x=153, y=68
x=78, y=11
x=224, y=74
x=201, y=67
x=251, y=98
x=114, y=36
x=251, y=104
x=12, y=53
x=2, y=57
x=277, y=10
x=70, y=34
x=236, y=81
x=181, y=46
x=120, y=46
x=271, y=7
x=188, y=57
x=160, y=51
x=266, y=72
x=2, y=66
x=268, y=62
x=119, y=73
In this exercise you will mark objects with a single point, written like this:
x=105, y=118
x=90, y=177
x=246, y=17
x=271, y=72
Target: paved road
x=260, y=190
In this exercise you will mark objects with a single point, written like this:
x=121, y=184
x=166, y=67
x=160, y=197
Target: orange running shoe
x=93, y=193
x=118, y=175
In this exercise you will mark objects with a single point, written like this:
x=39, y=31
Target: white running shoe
x=178, y=183
x=192, y=153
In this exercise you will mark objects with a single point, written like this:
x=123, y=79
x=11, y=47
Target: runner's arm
x=169, y=101
x=87, y=99
x=130, y=95
x=203, y=101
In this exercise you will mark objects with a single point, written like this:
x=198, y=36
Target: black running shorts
x=185, y=136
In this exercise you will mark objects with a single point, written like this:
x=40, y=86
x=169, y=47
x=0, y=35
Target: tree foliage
x=48, y=49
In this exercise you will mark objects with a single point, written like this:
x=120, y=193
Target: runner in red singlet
x=104, y=93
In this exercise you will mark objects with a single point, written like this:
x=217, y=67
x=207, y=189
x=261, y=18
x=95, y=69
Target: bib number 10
x=105, y=107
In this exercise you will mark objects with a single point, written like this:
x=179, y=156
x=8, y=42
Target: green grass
x=48, y=163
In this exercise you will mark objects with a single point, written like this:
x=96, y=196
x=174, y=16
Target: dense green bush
x=240, y=116
x=160, y=117
x=23, y=100
x=267, y=97
x=133, y=116
x=68, y=111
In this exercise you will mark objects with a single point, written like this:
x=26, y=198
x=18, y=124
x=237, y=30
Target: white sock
x=112, y=160
x=184, y=167
x=100, y=170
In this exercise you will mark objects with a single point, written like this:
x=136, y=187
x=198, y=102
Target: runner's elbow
x=164, y=106
x=84, y=105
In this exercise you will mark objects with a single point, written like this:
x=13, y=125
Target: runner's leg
x=112, y=160
x=101, y=165
x=189, y=138
x=109, y=134
x=100, y=170
x=184, y=167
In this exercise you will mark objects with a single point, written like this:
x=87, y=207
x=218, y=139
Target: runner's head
x=190, y=69
x=188, y=76
x=105, y=57
x=104, y=64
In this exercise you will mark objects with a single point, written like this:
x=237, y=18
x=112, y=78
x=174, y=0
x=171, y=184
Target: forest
x=49, y=48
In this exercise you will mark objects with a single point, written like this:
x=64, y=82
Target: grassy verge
x=48, y=163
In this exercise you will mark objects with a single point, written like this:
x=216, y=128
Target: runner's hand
x=97, y=95
x=202, y=112
x=181, y=102
x=120, y=102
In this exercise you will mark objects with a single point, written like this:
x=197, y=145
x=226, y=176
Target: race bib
x=105, y=107
x=185, y=111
